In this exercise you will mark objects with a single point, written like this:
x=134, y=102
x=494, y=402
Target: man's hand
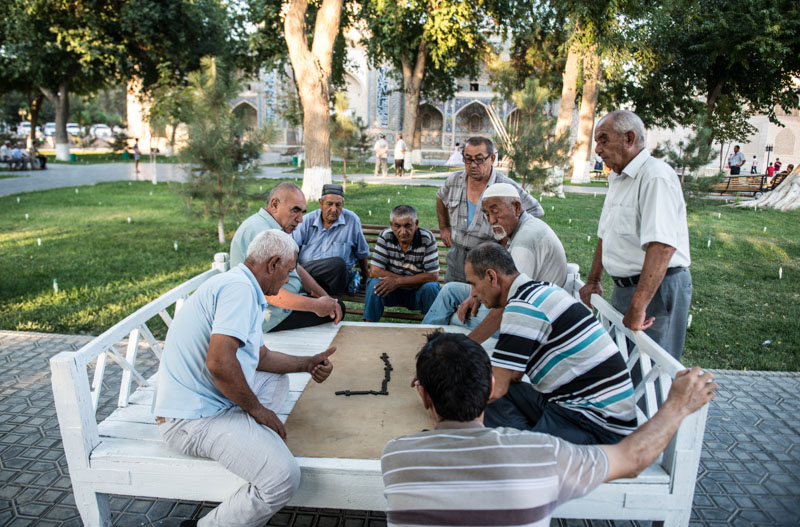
x=468, y=308
x=691, y=390
x=636, y=319
x=265, y=416
x=589, y=288
x=326, y=306
x=386, y=285
x=447, y=236
x=319, y=366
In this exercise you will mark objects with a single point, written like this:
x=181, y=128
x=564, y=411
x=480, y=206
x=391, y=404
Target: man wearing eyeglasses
x=458, y=204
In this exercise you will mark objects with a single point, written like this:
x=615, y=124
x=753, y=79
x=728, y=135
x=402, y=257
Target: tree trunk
x=582, y=154
x=416, y=143
x=60, y=101
x=555, y=181
x=412, y=85
x=35, y=107
x=312, y=72
x=785, y=197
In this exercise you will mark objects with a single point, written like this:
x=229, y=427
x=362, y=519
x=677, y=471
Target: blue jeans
x=419, y=299
x=443, y=310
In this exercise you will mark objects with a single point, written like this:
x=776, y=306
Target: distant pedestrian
x=736, y=161
x=137, y=154
x=754, y=166
x=778, y=165
x=598, y=163
x=400, y=149
x=771, y=170
x=381, y=154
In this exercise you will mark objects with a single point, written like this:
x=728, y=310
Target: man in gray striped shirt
x=404, y=270
x=461, y=473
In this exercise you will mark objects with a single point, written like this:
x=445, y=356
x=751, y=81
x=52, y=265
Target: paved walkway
x=60, y=175
x=749, y=471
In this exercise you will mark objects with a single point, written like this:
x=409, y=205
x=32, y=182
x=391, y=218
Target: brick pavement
x=749, y=471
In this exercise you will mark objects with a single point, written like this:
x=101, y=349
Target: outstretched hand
x=692, y=389
x=319, y=366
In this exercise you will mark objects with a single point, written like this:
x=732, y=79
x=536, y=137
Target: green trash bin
x=125, y=155
x=73, y=158
x=294, y=160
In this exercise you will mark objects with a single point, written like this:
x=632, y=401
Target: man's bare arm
x=309, y=284
x=444, y=222
x=276, y=362
x=488, y=326
x=226, y=371
x=656, y=261
x=593, y=285
x=690, y=391
x=502, y=380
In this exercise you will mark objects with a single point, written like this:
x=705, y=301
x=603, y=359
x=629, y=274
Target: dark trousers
x=735, y=171
x=304, y=319
x=524, y=408
x=399, y=167
x=330, y=273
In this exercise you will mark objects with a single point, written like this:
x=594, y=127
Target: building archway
x=431, y=123
x=247, y=112
x=472, y=120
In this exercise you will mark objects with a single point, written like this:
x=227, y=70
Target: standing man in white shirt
x=643, y=237
x=736, y=161
x=381, y=153
x=754, y=166
x=400, y=149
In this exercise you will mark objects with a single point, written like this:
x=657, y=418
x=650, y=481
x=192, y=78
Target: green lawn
x=362, y=168
x=106, y=267
x=94, y=158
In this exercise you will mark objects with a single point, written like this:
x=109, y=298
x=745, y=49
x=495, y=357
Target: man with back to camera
x=461, y=473
x=290, y=308
x=643, y=236
x=219, y=386
x=331, y=242
x=458, y=204
x=535, y=248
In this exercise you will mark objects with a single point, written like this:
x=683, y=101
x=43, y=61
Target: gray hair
x=478, y=141
x=270, y=243
x=491, y=255
x=403, y=211
x=624, y=121
x=281, y=189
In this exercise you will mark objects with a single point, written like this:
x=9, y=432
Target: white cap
x=501, y=190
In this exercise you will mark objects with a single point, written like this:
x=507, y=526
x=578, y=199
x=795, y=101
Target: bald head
x=286, y=204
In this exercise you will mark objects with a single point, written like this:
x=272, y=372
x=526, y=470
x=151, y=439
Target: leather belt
x=160, y=420
x=629, y=281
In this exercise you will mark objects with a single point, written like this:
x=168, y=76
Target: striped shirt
x=567, y=354
x=422, y=257
x=464, y=474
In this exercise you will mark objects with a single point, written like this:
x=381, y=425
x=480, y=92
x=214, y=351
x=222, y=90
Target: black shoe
x=189, y=523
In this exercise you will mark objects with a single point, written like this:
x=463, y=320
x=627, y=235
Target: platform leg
x=93, y=507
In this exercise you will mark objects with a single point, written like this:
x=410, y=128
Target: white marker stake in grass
x=175, y=244
x=570, y=220
x=260, y=188
x=76, y=191
x=689, y=322
x=780, y=273
x=39, y=242
x=370, y=212
x=719, y=215
x=765, y=228
x=151, y=192
x=17, y=199
x=553, y=207
x=55, y=285
x=709, y=241
x=26, y=215
x=588, y=238
x=129, y=219
x=388, y=200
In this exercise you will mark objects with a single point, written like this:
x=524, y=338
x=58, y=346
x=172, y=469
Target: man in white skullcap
x=536, y=250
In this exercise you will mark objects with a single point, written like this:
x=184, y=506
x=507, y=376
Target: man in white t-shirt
x=736, y=161
x=381, y=153
x=400, y=149
x=643, y=237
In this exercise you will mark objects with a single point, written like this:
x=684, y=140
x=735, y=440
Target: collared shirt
x=381, y=148
x=457, y=475
x=454, y=196
x=400, y=149
x=246, y=233
x=537, y=251
x=229, y=304
x=644, y=204
x=343, y=239
x=568, y=356
x=737, y=159
x=422, y=257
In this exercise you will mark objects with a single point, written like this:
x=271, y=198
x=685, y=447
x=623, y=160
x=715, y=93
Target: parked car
x=49, y=129
x=73, y=129
x=100, y=131
x=24, y=129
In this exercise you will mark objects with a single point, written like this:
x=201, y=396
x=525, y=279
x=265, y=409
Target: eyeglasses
x=477, y=160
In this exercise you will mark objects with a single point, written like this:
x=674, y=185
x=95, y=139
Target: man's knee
x=280, y=480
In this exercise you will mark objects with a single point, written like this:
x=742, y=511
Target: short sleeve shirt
x=465, y=475
x=537, y=251
x=644, y=204
x=229, y=304
x=343, y=239
x=422, y=257
x=468, y=233
x=246, y=233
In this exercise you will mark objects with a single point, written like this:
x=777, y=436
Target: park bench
x=112, y=444
x=745, y=184
x=355, y=302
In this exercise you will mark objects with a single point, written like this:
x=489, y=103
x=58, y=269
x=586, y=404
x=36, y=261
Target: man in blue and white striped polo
x=580, y=389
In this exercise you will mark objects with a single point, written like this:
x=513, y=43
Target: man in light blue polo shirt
x=219, y=386
x=301, y=302
x=331, y=241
